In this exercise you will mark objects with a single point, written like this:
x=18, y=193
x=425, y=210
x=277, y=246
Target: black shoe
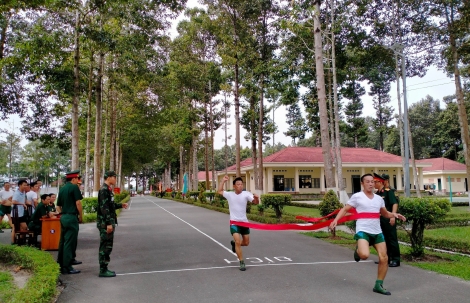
x=394, y=264
x=75, y=262
x=233, y=245
x=69, y=272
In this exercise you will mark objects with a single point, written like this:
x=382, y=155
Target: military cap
x=110, y=173
x=73, y=174
x=385, y=177
x=378, y=178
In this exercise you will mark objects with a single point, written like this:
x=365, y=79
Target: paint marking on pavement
x=225, y=267
x=227, y=249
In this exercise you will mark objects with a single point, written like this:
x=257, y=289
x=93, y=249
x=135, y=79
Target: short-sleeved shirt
x=40, y=211
x=237, y=204
x=20, y=197
x=364, y=204
x=389, y=197
x=68, y=197
x=5, y=195
x=30, y=196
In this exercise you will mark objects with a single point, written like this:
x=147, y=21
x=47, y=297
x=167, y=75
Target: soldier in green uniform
x=43, y=210
x=106, y=222
x=389, y=228
x=70, y=206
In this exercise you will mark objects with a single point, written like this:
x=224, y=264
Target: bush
x=119, y=197
x=210, y=196
x=329, y=204
x=178, y=195
x=260, y=208
x=193, y=194
x=276, y=202
x=420, y=212
x=41, y=287
x=90, y=205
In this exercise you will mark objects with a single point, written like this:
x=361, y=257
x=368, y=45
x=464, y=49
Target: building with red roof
x=445, y=175
x=301, y=169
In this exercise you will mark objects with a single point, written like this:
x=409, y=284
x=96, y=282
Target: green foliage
x=276, y=202
x=330, y=203
x=41, y=287
x=210, y=196
x=89, y=217
x=421, y=212
x=178, y=195
x=193, y=194
x=260, y=208
x=119, y=197
x=90, y=205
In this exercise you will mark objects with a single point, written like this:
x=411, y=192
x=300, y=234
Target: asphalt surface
x=166, y=251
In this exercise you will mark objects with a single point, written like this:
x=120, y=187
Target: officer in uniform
x=70, y=206
x=388, y=226
x=106, y=222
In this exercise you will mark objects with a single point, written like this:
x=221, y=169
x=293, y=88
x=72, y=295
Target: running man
x=368, y=232
x=237, y=201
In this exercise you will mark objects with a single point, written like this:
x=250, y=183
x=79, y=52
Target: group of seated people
x=44, y=209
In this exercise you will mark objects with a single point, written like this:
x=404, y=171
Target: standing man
x=237, y=201
x=6, y=199
x=368, y=232
x=32, y=197
x=19, y=199
x=388, y=226
x=70, y=206
x=106, y=222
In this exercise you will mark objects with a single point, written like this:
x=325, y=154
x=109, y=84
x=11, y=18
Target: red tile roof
x=314, y=155
x=442, y=164
x=201, y=176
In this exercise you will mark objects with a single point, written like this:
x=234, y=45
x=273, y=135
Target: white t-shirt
x=364, y=204
x=30, y=196
x=237, y=204
x=5, y=195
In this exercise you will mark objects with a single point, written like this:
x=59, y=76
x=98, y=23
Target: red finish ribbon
x=313, y=224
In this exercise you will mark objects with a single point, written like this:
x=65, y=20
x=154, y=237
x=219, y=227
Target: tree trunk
x=206, y=145
x=97, y=150
x=3, y=38
x=339, y=162
x=88, y=128
x=180, y=179
x=325, y=140
x=237, y=122
x=260, y=179
x=105, y=137
x=112, y=129
x=213, y=185
x=76, y=95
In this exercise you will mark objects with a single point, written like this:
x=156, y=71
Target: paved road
x=167, y=251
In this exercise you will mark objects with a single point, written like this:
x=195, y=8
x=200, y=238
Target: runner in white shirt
x=368, y=232
x=237, y=201
x=5, y=203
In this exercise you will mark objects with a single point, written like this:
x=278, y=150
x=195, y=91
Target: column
x=269, y=181
x=322, y=179
x=421, y=178
x=399, y=182
x=296, y=180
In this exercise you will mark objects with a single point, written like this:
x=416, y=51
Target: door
x=278, y=182
x=356, y=183
x=439, y=185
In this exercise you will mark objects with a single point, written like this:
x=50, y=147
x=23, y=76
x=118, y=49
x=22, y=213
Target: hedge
x=439, y=243
x=41, y=286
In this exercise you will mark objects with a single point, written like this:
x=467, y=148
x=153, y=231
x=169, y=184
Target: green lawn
x=302, y=211
x=7, y=287
x=459, y=210
x=457, y=233
x=447, y=264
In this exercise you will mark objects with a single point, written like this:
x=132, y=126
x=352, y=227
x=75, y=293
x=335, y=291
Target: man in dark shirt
x=106, y=222
x=70, y=206
x=389, y=227
x=43, y=210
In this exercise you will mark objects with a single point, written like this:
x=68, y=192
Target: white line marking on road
x=227, y=249
x=224, y=267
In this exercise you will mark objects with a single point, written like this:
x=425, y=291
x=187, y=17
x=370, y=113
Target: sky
x=435, y=84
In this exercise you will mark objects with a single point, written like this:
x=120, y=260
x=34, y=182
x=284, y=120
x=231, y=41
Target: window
x=316, y=182
x=305, y=181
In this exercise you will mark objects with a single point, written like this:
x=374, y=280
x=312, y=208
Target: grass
x=302, y=211
x=459, y=211
x=447, y=264
x=7, y=287
x=457, y=233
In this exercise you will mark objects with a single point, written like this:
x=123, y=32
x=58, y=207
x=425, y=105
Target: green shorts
x=5, y=210
x=372, y=239
x=234, y=229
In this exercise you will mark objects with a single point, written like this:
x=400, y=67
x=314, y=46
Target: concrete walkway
x=167, y=251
